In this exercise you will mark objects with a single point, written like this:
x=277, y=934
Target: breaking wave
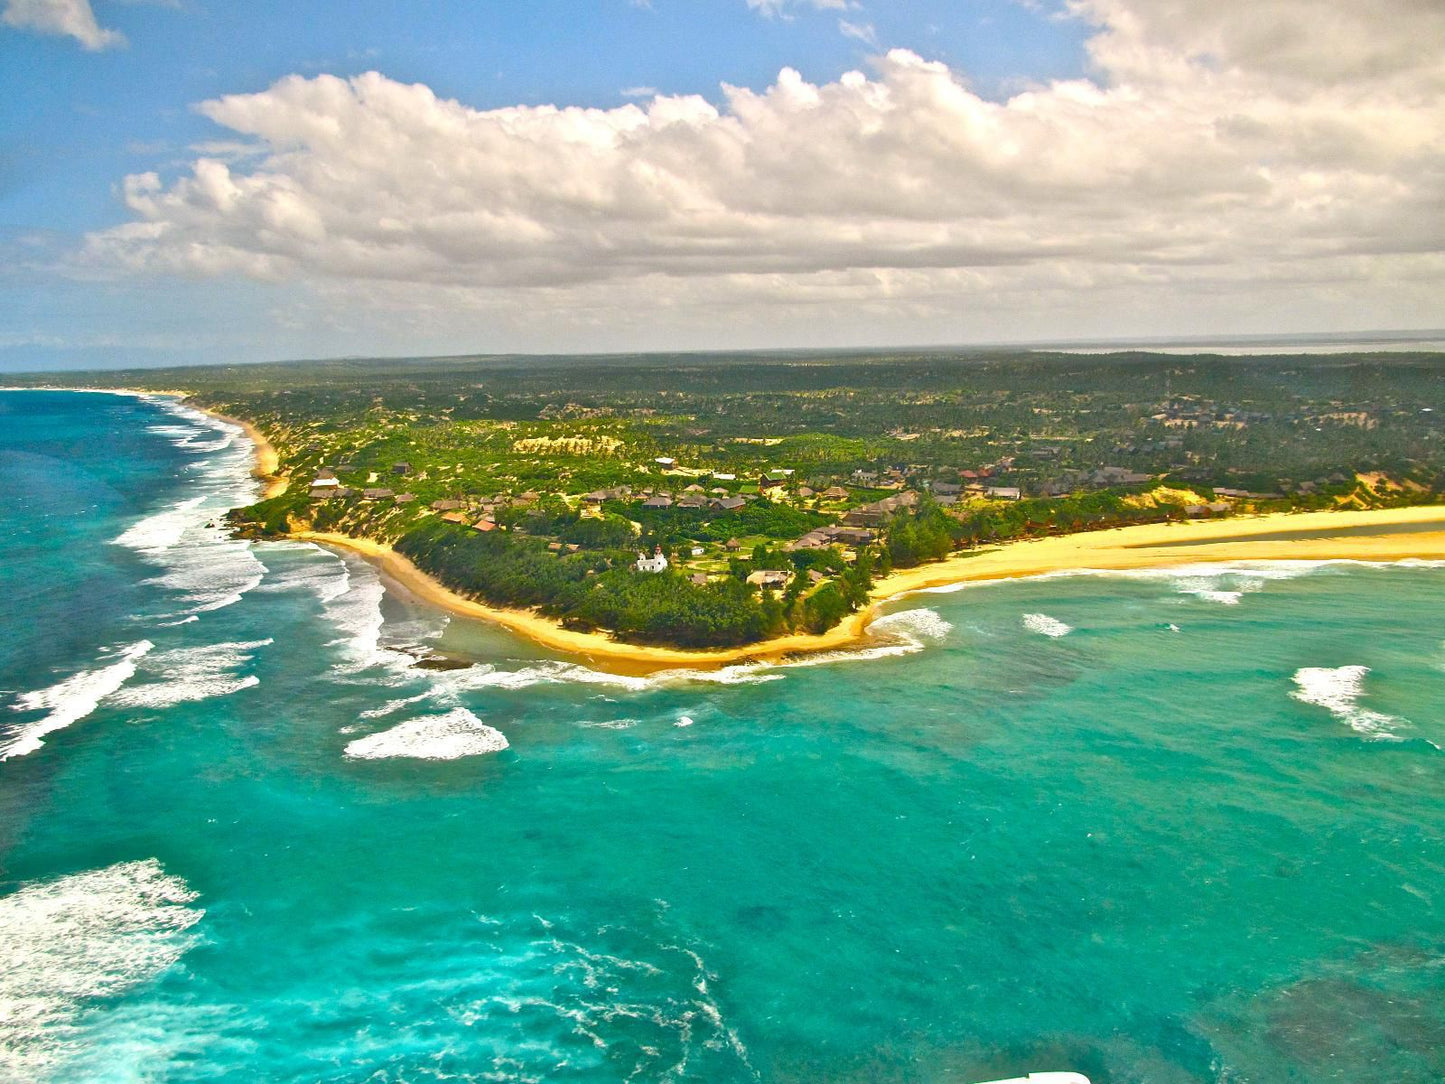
x=456, y=734
x=71, y=942
x=71, y=700
x=184, y=540
x=904, y=633
x=188, y=674
x=1045, y=625
x=1338, y=691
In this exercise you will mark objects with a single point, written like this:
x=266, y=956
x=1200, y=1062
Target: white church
x=656, y=563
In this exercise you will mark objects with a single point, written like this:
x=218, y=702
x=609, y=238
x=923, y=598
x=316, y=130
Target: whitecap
x=160, y=531
x=609, y=724
x=1045, y=625
x=190, y=674
x=1338, y=691
x=684, y=720
x=76, y=940
x=905, y=633
x=195, y=556
x=921, y=621
x=456, y=734
x=395, y=705
x=71, y=700
x=321, y=572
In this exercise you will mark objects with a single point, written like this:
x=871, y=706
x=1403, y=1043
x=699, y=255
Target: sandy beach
x=1383, y=535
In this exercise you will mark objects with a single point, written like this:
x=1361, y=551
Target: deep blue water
x=1183, y=827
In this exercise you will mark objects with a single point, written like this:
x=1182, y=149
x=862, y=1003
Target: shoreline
x=1274, y=536
x=1120, y=549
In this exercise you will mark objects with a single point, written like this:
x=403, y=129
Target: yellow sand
x=1420, y=533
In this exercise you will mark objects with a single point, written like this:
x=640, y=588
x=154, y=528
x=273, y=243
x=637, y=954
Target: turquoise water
x=1158, y=828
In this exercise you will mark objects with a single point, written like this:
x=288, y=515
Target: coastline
x=1379, y=535
x=1419, y=533
x=268, y=460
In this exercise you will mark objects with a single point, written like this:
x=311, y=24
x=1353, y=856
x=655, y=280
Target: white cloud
x=1199, y=173
x=774, y=8
x=863, y=32
x=69, y=18
x=639, y=92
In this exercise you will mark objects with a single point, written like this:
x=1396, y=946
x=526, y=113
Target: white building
x=656, y=563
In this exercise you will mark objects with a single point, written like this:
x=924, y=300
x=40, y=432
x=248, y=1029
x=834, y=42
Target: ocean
x=1161, y=827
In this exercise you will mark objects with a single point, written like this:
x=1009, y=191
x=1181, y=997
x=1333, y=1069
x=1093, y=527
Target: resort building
x=656, y=563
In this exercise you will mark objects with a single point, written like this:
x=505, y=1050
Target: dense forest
x=777, y=485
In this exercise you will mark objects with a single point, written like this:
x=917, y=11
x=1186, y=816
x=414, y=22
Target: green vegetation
x=777, y=484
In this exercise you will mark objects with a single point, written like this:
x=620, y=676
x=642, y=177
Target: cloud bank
x=1209, y=154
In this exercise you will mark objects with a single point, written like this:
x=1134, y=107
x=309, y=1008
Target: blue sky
x=82, y=111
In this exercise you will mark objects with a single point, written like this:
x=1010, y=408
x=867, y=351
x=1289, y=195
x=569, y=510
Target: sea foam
x=76, y=940
x=184, y=540
x=1045, y=625
x=456, y=734
x=189, y=674
x=1338, y=691
x=70, y=700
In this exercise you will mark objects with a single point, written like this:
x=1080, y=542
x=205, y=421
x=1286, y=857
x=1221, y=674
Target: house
x=1003, y=493
x=376, y=494
x=733, y=545
x=815, y=577
x=865, y=517
x=694, y=488
x=405, y=498
x=813, y=540
x=401, y=468
x=773, y=479
x=657, y=502
x=325, y=488
x=692, y=500
x=457, y=517
x=804, y=491
x=665, y=462
x=835, y=493
x=656, y=563
x=448, y=505
x=728, y=504
x=699, y=579
x=697, y=551
x=554, y=547
x=946, y=489
x=485, y=525
x=768, y=578
x=725, y=477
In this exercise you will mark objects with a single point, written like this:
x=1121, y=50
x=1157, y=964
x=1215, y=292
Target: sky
x=199, y=181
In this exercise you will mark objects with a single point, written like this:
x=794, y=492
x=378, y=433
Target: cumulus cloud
x=1204, y=158
x=68, y=18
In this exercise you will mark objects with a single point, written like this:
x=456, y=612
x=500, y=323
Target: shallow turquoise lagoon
x=1183, y=827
